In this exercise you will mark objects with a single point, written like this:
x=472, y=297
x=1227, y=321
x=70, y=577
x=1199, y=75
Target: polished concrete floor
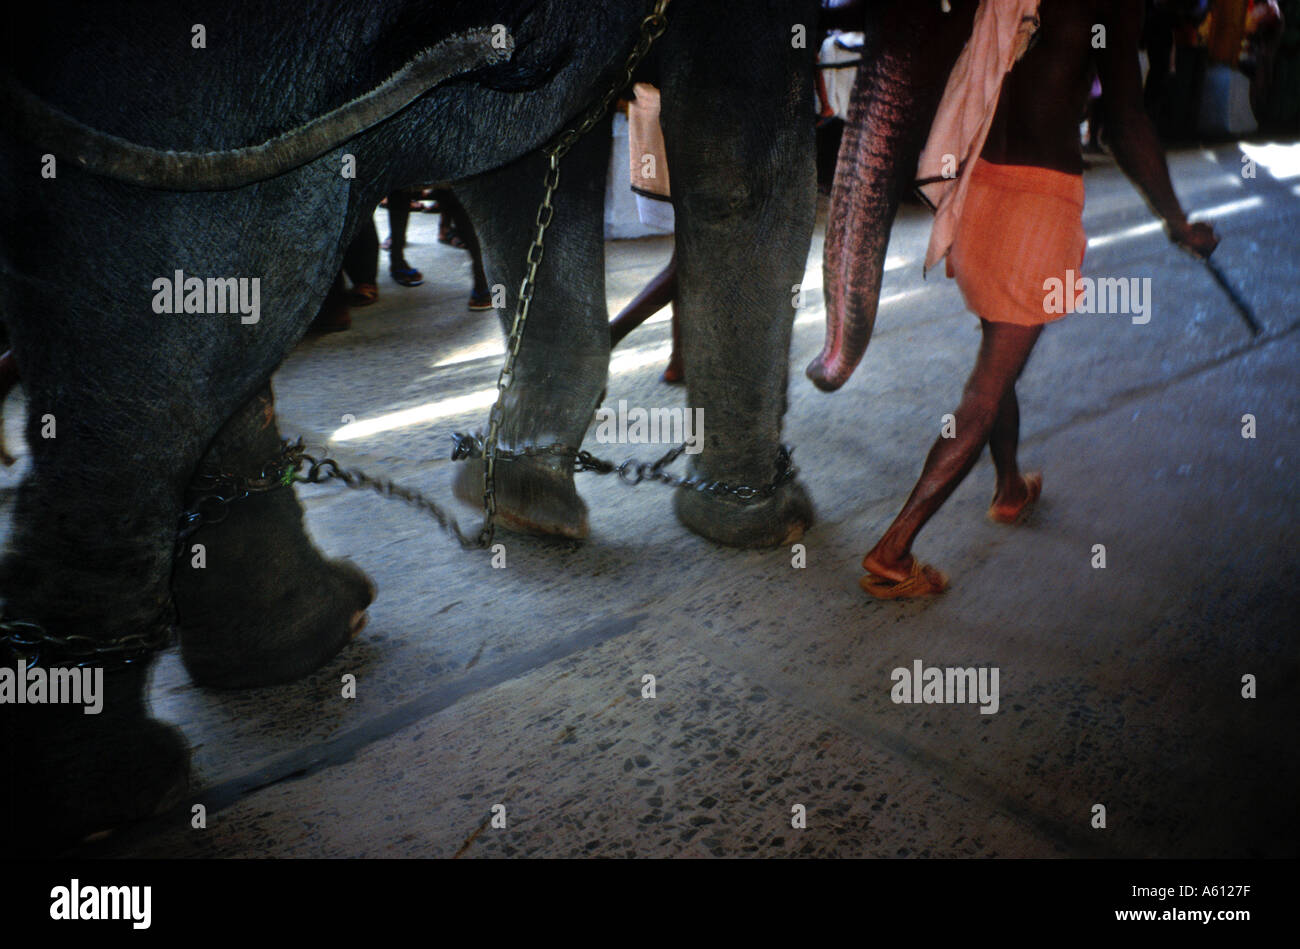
x=517, y=693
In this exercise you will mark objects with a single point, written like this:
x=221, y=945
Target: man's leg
x=1004, y=439
x=481, y=296
x=1003, y=353
x=333, y=315
x=675, y=372
x=399, y=212
x=361, y=259
x=1014, y=492
x=8, y=379
x=361, y=264
x=656, y=295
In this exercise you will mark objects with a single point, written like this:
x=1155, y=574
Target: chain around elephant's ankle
x=30, y=643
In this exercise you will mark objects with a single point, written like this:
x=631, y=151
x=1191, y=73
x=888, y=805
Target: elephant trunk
x=909, y=51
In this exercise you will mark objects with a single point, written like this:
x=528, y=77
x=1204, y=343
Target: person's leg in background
x=333, y=315
x=361, y=264
x=399, y=212
x=459, y=231
x=649, y=176
x=480, y=296
x=656, y=294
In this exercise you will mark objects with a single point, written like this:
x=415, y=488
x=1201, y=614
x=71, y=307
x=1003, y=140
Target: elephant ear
x=910, y=49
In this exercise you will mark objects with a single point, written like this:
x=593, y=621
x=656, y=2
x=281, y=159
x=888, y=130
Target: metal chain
x=294, y=466
x=217, y=491
x=327, y=469
x=30, y=642
x=633, y=471
x=652, y=27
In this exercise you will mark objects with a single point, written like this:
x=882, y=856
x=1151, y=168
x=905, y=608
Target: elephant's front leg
x=741, y=157
x=258, y=604
x=564, y=359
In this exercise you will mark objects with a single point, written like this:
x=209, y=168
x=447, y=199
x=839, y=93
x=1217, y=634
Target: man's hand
x=1199, y=238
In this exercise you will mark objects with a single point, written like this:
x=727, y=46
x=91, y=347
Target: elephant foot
x=261, y=605
x=76, y=776
x=532, y=497
x=775, y=522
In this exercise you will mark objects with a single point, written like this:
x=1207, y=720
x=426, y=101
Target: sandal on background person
x=407, y=276
x=363, y=294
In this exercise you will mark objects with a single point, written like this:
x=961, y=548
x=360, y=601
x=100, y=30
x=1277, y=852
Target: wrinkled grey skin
x=142, y=401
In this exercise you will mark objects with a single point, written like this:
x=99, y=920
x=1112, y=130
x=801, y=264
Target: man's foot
x=363, y=294
x=480, y=301
x=406, y=275
x=892, y=582
x=675, y=374
x=333, y=316
x=447, y=234
x=332, y=321
x=1013, y=506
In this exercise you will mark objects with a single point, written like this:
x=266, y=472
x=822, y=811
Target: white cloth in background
x=838, y=80
x=656, y=212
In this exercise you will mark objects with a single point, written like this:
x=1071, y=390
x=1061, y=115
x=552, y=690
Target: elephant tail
x=163, y=170
x=908, y=54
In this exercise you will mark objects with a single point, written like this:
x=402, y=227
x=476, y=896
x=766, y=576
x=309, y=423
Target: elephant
x=245, y=142
x=156, y=138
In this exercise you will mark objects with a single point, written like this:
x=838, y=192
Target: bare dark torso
x=1044, y=95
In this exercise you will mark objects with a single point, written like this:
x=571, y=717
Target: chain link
x=217, y=491
x=634, y=471
x=31, y=643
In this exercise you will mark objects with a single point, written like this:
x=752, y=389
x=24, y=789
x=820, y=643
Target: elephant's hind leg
x=258, y=603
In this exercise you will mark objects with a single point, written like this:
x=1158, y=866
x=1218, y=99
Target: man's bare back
x=1043, y=97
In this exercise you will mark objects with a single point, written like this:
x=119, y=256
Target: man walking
x=1019, y=224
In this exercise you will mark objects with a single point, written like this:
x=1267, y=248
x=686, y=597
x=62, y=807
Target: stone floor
x=523, y=687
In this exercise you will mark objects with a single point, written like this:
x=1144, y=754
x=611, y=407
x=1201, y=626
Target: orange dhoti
x=1021, y=228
